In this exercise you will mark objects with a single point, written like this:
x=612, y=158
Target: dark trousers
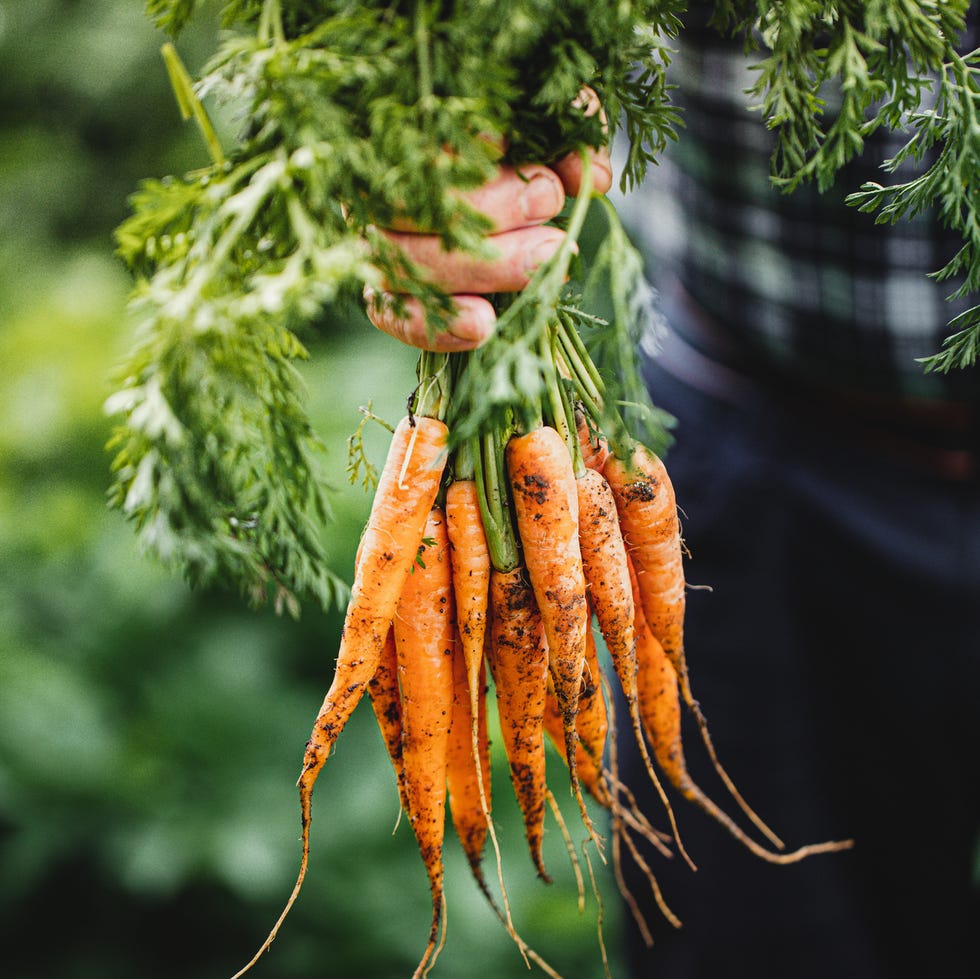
x=837, y=659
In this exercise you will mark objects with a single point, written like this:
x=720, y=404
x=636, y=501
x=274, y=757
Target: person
x=830, y=497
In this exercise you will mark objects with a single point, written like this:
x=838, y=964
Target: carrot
x=590, y=772
x=386, y=701
x=468, y=799
x=424, y=628
x=604, y=565
x=660, y=706
x=471, y=564
x=594, y=447
x=592, y=721
x=518, y=657
x=471, y=587
x=471, y=574
x=405, y=494
x=607, y=574
x=651, y=529
x=542, y=482
x=648, y=517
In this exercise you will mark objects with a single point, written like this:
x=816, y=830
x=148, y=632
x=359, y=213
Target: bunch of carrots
x=515, y=555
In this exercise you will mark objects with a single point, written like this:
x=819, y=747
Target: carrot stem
x=560, y=413
x=432, y=394
x=495, y=509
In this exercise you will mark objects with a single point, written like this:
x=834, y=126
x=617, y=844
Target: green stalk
x=591, y=389
x=482, y=458
x=465, y=459
x=582, y=368
x=432, y=395
x=561, y=414
x=494, y=497
x=538, y=296
x=189, y=104
x=270, y=23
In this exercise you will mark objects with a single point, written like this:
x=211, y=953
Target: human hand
x=519, y=202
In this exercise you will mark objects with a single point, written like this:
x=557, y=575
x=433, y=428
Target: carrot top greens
x=349, y=113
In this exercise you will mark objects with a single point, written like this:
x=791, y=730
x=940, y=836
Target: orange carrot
x=590, y=774
x=518, y=659
x=386, y=701
x=468, y=802
x=592, y=721
x=424, y=628
x=594, y=447
x=660, y=707
x=606, y=572
x=611, y=596
x=471, y=586
x=651, y=529
x=542, y=483
x=405, y=494
x=648, y=517
x=471, y=572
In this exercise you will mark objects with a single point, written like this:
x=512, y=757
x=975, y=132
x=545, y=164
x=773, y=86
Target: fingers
x=515, y=198
x=519, y=202
x=470, y=327
x=517, y=255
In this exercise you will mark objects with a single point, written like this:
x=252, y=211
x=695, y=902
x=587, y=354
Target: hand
x=518, y=203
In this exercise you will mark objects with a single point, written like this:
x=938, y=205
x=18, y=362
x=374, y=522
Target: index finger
x=518, y=197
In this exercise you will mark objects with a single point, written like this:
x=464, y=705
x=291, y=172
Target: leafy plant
x=831, y=74
x=350, y=113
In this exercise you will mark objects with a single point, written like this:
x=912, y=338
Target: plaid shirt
x=805, y=285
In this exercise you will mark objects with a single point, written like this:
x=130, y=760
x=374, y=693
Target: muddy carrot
x=424, y=628
x=651, y=529
x=518, y=657
x=386, y=701
x=405, y=494
x=611, y=596
x=542, y=484
x=471, y=586
x=467, y=768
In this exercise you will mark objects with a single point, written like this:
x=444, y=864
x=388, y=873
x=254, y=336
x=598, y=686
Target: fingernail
x=541, y=198
x=538, y=254
x=474, y=326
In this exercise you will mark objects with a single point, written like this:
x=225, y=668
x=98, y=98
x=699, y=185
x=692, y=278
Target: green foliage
x=390, y=109
x=616, y=287
x=830, y=74
x=868, y=63
x=951, y=126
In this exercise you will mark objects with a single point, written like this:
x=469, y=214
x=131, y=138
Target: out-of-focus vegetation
x=150, y=736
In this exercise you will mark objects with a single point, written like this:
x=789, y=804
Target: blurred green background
x=150, y=736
